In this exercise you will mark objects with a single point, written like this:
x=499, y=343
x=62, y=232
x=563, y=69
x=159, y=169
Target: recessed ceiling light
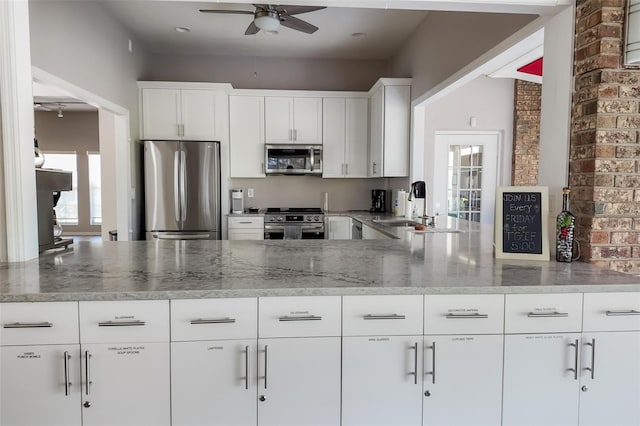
x=183, y=29
x=356, y=35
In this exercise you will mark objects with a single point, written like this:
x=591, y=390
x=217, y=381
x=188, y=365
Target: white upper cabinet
x=198, y=112
x=161, y=114
x=344, y=132
x=389, y=138
x=293, y=120
x=246, y=128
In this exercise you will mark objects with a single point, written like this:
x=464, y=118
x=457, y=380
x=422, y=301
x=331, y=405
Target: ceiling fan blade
x=297, y=24
x=296, y=10
x=238, y=12
x=252, y=29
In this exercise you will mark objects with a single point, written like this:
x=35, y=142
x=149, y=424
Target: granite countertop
x=414, y=263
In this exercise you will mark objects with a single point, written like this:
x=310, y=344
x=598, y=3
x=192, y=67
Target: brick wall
x=605, y=141
x=526, y=133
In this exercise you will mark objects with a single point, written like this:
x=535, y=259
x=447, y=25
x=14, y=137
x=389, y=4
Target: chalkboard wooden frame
x=542, y=239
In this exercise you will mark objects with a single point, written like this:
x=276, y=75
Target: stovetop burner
x=294, y=210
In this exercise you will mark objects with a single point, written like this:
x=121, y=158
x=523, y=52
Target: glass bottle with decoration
x=565, y=229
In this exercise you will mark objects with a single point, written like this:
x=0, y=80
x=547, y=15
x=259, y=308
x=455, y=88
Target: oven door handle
x=312, y=228
x=274, y=228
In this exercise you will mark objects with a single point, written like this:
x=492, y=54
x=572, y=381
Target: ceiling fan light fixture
x=267, y=20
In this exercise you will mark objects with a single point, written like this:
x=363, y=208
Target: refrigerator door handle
x=182, y=236
x=176, y=185
x=183, y=185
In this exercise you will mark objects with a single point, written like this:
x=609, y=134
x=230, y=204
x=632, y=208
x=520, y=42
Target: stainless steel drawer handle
x=121, y=323
x=467, y=316
x=87, y=372
x=414, y=373
x=42, y=324
x=592, y=369
x=67, y=383
x=301, y=318
x=575, y=360
x=245, y=223
x=213, y=321
x=432, y=373
x=384, y=317
x=548, y=314
x=246, y=367
x=622, y=313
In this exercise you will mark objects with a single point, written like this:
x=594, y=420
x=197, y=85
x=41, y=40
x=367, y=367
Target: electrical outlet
x=249, y=192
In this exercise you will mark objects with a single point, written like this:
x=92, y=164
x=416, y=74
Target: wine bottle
x=565, y=227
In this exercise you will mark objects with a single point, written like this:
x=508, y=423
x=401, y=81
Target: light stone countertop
x=414, y=263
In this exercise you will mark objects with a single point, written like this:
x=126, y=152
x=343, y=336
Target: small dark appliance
x=378, y=201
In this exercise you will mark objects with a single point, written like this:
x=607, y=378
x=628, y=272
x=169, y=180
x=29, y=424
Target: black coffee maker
x=378, y=201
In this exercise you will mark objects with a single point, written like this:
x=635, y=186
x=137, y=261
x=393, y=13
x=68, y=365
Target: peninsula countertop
x=415, y=263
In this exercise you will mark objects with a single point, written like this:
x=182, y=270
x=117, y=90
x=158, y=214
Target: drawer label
x=463, y=339
x=123, y=317
x=462, y=310
x=543, y=337
x=126, y=350
x=379, y=339
x=28, y=355
x=215, y=348
x=299, y=313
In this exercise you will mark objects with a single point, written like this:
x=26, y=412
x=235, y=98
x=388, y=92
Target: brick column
x=605, y=144
x=526, y=133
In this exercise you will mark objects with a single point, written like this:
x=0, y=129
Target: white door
x=357, y=132
x=540, y=387
x=299, y=382
x=376, y=128
x=339, y=228
x=612, y=395
x=32, y=385
x=462, y=380
x=333, y=135
x=198, y=115
x=213, y=383
x=125, y=384
x=307, y=120
x=278, y=119
x=246, y=130
x=381, y=381
x=161, y=114
x=465, y=175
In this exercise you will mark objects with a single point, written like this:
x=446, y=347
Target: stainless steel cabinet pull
x=266, y=364
x=593, y=358
x=120, y=323
x=67, y=383
x=346, y=169
x=467, y=316
x=622, y=313
x=302, y=318
x=295, y=134
x=246, y=223
x=246, y=367
x=87, y=373
x=414, y=348
x=213, y=321
x=575, y=360
x=374, y=168
x=384, y=317
x=547, y=314
x=28, y=324
x=290, y=134
x=433, y=363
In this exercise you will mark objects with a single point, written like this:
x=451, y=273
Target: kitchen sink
x=396, y=222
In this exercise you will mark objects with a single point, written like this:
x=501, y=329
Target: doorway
x=466, y=174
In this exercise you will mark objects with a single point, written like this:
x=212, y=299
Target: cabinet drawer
x=464, y=314
x=543, y=313
x=246, y=222
x=611, y=312
x=124, y=321
x=246, y=234
x=36, y=323
x=382, y=315
x=310, y=316
x=211, y=319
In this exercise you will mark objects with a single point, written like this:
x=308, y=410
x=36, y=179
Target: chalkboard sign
x=521, y=230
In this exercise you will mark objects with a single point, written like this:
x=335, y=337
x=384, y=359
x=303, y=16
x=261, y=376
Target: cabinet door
x=376, y=126
x=125, y=384
x=213, y=383
x=339, y=228
x=611, y=396
x=397, y=100
x=357, y=131
x=540, y=387
x=307, y=120
x=246, y=114
x=333, y=135
x=198, y=115
x=299, y=382
x=278, y=119
x=246, y=234
x=462, y=371
x=161, y=114
x=32, y=389
x=381, y=381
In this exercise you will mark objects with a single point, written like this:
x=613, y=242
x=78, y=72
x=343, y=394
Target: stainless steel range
x=294, y=223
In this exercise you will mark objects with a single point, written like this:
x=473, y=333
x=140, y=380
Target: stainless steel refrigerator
x=182, y=190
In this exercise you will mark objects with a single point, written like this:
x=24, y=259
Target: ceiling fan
x=269, y=17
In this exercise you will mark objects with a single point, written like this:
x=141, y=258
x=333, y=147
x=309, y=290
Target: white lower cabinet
x=40, y=385
x=213, y=383
x=462, y=380
x=381, y=381
x=299, y=381
x=339, y=227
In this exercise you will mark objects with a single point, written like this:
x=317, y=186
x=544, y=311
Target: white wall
x=272, y=73
x=490, y=100
x=3, y=217
x=447, y=41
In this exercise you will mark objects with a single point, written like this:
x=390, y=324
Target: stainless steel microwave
x=293, y=159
